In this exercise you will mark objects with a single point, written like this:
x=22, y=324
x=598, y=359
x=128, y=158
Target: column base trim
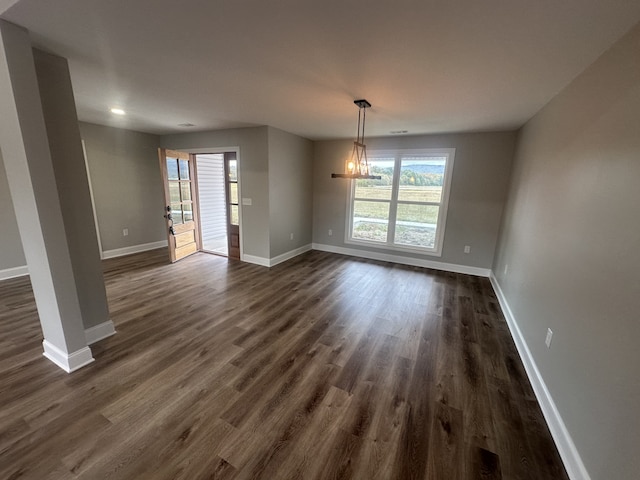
x=69, y=362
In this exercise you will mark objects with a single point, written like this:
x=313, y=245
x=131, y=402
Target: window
x=234, y=216
x=407, y=208
x=179, y=190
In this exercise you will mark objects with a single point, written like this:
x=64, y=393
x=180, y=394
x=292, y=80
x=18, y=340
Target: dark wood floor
x=323, y=367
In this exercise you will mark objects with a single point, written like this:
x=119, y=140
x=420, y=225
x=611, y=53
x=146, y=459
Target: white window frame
x=449, y=154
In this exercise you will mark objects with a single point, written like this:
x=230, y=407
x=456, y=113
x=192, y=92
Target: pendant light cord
x=358, y=134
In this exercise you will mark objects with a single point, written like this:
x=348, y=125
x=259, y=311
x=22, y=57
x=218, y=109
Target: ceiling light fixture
x=118, y=111
x=358, y=166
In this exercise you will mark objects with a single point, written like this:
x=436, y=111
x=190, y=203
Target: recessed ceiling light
x=118, y=111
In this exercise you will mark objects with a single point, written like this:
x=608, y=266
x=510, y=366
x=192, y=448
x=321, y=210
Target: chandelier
x=357, y=166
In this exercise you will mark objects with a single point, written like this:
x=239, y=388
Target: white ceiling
x=427, y=66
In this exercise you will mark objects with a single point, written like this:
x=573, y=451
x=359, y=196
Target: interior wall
x=290, y=191
x=127, y=185
x=478, y=191
x=127, y=189
x=11, y=253
x=568, y=256
x=254, y=177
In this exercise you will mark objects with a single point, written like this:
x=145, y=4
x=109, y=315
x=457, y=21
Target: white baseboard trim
x=99, y=332
x=143, y=247
x=272, y=262
x=415, y=262
x=289, y=255
x=8, y=273
x=567, y=449
x=69, y=362
x=263, y=262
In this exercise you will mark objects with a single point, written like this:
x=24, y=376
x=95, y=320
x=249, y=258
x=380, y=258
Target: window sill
x=395, y=248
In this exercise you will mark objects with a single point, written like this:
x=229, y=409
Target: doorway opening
x=202, y=209
x=217, y=183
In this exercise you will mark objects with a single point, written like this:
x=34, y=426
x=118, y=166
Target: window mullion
x=393, y=204
x=352, y=201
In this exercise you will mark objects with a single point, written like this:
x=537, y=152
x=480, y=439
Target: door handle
x=170, y=219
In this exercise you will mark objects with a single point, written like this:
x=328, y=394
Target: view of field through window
x=179, y=190
x=413, y=209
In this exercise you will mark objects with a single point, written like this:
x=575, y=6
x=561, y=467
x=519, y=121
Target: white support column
x=28, y=164
x=67, y=157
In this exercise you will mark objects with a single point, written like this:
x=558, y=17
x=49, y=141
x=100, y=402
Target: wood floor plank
x=492, y=355
x=316, y=439
x=446, y=443
x=482, y=464
x=324, y=366
x=356, y=365
x=413, y=448
x=386, y=425
x=512, y=444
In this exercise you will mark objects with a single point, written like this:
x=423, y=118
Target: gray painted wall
x=275, y=166
x=570, y=239
x=478, y=191
x=11, y=253
x=127, y=189
x=290, y=191
x=254, y=177
x=127, y=186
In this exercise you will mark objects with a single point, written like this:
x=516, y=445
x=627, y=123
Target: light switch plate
x=547, y=341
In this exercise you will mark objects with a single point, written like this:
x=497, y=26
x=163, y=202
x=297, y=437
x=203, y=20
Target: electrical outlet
x=330, y=232
x=291, y=236
x=467, y=249
x=547, y=341
x=125, y=232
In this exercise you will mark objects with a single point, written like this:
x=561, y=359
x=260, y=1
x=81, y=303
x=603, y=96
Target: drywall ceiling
x=427, y=66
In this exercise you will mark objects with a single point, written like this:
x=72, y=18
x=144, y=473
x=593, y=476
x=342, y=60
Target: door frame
x=236, y=149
